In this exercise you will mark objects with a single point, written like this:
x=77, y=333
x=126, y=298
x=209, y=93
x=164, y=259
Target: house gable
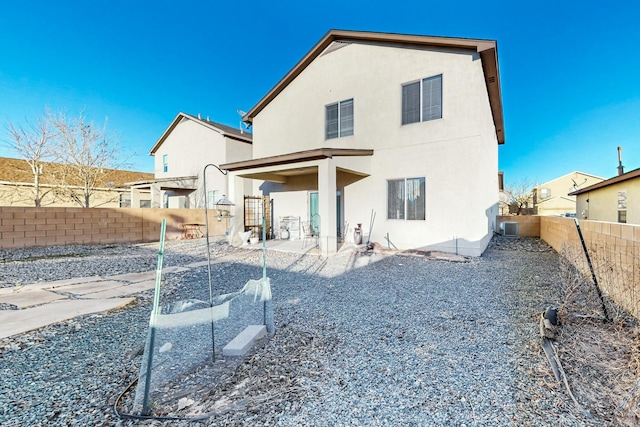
x=335, y=39
x=295, y=119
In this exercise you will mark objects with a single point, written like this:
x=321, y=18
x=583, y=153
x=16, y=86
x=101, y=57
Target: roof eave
x=616, y=179
x=295, y=157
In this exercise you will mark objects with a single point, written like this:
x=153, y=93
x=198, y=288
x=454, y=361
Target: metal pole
x=206, y=227
x=146, y=410
x=593, y=273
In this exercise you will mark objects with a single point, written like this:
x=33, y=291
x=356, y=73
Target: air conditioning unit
x=510, y=229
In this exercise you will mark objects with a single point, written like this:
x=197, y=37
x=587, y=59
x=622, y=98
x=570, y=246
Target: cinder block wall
x=528, y=225
x=614, y=251
x=29, y=226
x=557, y=230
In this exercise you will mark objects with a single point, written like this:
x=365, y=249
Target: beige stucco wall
x=458, y=154
x=557, y=206
x=603, y=202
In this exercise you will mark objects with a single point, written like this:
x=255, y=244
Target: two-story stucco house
x=552, y=197
x=180, y=155
x=402, y=127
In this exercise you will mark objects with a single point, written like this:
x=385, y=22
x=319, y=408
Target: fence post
x=593, y=273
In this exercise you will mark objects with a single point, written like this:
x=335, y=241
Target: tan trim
x=300, y=156
x=487, y=49
x=620, y=178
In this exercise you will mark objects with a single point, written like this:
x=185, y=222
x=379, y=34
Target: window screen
x=411, y=103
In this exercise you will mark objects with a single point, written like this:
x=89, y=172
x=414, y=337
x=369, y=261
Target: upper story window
x=422, y=100
x=339, y=119
x=544, y=193
x=165, y=163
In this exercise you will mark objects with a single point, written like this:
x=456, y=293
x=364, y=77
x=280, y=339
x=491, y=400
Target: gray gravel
x=399, y=340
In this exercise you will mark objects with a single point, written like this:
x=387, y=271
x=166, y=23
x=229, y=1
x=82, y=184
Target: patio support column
x=327, y=208
x=236, y=195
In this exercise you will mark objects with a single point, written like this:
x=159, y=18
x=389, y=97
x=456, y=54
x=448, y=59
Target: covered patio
x=325, y=171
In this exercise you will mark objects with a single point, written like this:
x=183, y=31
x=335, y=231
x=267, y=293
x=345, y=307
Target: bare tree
x=520, y=196
x=85, y=154
x=33, y=143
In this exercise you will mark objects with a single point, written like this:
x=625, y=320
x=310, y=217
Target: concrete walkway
x=46, y=303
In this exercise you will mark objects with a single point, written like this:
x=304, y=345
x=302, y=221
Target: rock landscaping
x=365, y=339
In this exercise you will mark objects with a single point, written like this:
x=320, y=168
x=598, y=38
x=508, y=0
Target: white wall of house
x=189, y=148
x=458, y=154
x=290, y=204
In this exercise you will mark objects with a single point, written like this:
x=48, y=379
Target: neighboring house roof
x=620, y=178
x=566, y=175
x=18, y=171
x=225, y=130
x=487, y=49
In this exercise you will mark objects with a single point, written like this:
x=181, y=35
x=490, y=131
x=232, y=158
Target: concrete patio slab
x=13, y=322
x=49, y=285
x=89, y=288
x=134, y=277
x=72, y=281
x=30, y=298
x=174, y=270
x=122, y=291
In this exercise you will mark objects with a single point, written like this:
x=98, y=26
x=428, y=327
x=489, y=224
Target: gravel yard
x=361, y=339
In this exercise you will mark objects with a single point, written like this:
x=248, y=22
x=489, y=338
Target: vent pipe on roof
x=199, y=117
x=620, y=167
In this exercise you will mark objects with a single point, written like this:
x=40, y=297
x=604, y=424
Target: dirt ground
x=600, y=356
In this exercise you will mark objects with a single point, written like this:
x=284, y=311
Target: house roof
x=18, y=171
x=620, y=178
x=225, y=130
x=487, y=49
x=300, y=156
x=568, y=174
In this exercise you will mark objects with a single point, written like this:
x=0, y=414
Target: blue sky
x=569, y=69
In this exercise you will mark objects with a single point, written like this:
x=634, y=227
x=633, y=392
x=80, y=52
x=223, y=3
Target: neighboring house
x=17, y=186
x=402, y=127
x=614, y=200
x=180, y=155
x=552, y=198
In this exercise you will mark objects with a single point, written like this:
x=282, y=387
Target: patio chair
x=309, y=234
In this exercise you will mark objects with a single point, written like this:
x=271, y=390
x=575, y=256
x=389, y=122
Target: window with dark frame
x=406, y=199
x=339, y=119
x=422, y=100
